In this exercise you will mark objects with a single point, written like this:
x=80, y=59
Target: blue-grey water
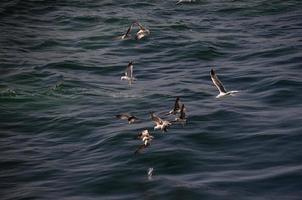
x=60, y=89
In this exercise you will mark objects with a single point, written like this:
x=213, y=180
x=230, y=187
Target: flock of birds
x=160, y=123
x=179, y=110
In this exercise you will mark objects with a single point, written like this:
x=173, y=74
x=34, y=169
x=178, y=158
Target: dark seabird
x=220, y=87
x=176, y=108
x=159, y=123
x=129, y=73
x=126, y=116
x=182, y=117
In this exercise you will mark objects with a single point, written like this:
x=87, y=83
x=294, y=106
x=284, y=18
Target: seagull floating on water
x=159, y=123
x=142, y=32
x=129, y=73
x=220, y=87
x=146, y=137
x=131, y=118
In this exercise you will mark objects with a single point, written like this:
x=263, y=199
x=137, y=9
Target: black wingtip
x=212, y=72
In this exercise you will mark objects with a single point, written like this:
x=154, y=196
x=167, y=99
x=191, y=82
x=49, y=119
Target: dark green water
x=60, y=89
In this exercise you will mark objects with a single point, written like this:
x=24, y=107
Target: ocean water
x=60, y=89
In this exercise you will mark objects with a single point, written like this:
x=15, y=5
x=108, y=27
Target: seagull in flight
x=142, y=32
x=131, y=118
x=220, y=87
x=129, y=73
x=159, y=123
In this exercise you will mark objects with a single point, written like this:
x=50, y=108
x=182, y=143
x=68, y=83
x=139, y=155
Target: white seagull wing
x=217, y=82
x=156, y=119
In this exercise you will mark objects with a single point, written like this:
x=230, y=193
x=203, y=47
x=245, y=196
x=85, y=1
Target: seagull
x=220, y=87
x=182, y=117
x=129, y=73
x=142, y=32
x=130, y=118
x=159, y=123
x=176, y=108
x=146, y=138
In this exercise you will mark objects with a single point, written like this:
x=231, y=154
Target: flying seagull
x=142, y=32
x=146, y=137
x=126, y=116
x=159, y=123
x=129, y=73
x=220, y=87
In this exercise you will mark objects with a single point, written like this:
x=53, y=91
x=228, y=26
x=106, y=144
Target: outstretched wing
x=156, y=119
x=140, y=26
x=217, y=82
x=182, y=112
x=177, y=104
x=129, y=70
x=128, y=30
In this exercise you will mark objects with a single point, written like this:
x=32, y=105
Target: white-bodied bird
x=220, y=87
x=129, y=73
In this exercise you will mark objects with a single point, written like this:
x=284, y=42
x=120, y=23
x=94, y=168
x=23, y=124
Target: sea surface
x=60, y=89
